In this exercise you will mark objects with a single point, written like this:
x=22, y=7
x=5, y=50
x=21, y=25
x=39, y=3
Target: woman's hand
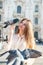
x=12, y=27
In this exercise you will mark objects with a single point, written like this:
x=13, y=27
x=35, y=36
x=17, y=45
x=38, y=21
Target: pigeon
x=10, y=22
x=25, y=54
x=30, y=53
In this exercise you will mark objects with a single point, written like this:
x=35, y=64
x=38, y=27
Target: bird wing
x=30, y=53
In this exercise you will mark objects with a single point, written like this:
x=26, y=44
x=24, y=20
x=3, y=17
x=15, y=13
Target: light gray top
x=17, y=42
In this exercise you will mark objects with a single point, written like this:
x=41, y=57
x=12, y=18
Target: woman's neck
x=20, y=33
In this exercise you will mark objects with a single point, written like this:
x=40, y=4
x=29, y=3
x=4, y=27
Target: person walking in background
x=23, y=39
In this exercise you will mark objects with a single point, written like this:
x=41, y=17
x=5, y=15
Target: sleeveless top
x=17, y=42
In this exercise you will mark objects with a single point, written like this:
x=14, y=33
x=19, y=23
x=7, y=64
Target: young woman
x=23, y=39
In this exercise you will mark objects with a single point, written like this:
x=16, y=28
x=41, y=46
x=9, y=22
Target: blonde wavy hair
x=29, y=34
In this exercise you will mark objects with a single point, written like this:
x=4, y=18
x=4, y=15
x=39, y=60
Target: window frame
x=36, y=8
x=36, y=20
x=1, y=4
x=19, y=9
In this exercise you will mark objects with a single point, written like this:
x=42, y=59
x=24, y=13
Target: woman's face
x=22, y=25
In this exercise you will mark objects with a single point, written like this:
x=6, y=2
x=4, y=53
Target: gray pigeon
x=25, y=54
x=10, y=22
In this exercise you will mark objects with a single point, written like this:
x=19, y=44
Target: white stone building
x=31, y=9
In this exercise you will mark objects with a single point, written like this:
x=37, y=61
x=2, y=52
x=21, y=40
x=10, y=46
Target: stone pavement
x=38, y=61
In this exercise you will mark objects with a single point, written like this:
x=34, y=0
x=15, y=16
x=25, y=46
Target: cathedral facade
x=31, y=9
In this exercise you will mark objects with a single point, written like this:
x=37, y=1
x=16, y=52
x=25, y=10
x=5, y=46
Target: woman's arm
x=11, y=32
x=10, y=36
